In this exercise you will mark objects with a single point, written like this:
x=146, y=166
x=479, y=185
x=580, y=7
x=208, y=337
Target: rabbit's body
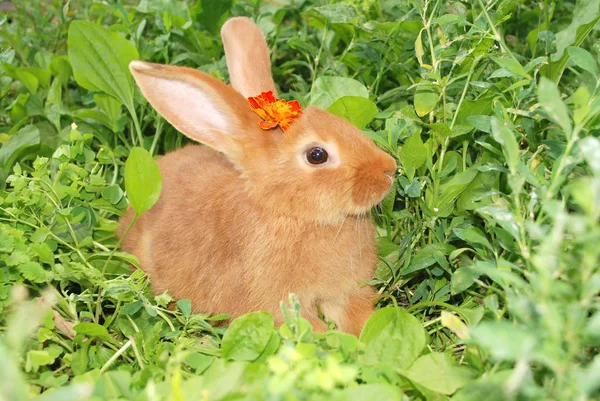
x=258, y=258
x=259, y=212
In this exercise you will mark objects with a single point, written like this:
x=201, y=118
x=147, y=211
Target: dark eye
x=317, y=156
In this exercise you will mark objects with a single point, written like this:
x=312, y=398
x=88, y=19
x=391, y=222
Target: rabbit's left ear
x=247, y=57
x=199, y=106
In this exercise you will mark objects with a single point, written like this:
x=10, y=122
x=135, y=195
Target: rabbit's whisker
x=340, y=229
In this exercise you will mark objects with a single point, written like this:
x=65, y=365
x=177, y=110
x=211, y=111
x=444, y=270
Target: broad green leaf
x=358, y=110
x=143, y=181
x=450, y=190
x=586, y=193
x=482, y=123
x=413, y=190
x=462, y=279
x=109, y=105
x=413, y=154
x=100, y=60
x=429, y=255
x=472, y=235
x=337, y=13
x=185, y=306
x=22, y=142
x=426, y=97
x=583, y=59
x=199, y=362
x=511, y=65
x=79, y=361
x=212, y=14
x=37, y=358
x=91, y=329
x=504, y=340
x=439, y=372
x=506, y=138
x=503, y=218
x=326, y=90
x=26, y=77
x=553, y=105
x=392, y=337
x=487, y=388
x=590, y=149
x=585, y=16
x=247, y=336
x=33, y=271
x=372, y=392
x=113, y=194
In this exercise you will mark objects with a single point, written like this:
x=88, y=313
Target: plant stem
x=116, y=356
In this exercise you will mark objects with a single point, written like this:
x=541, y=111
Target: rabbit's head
x=321, y=168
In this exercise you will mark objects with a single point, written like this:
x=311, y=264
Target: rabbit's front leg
x=351, y=315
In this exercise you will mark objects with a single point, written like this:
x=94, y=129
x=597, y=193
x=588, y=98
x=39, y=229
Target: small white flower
x=73, y=125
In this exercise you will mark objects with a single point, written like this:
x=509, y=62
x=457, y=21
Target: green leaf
x=33, y=271
x=326, y=90
x=143, y=181
x=419, y=52
x=506, y=137
x=113, y=194
x=551, y=102
x=79, y=361
x=488, y=388
x=585, y=16
x=372, y=392
x=358, y=110
x=583, y=59
x=91, y=329
x=473, y=235
x=185, y=306
x=20, y=74
x=413, y=190
x=590, y=149
x=501, y=217
x=503, y=340
x=213, y=13
x=462, y=279
x=392, y=337
x=450, y=190
x=100, y=60
x=426, y=97
x=337, y=13
x=247, y=336
x=413, y=154
x=37, y=358
x=439, y=372
x=482, y=123
x=511, y=65
x=21, y=143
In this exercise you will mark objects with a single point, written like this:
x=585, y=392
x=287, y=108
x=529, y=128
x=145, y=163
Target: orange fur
x=245, y=221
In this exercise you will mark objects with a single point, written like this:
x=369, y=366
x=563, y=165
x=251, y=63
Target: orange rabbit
x=257, y=214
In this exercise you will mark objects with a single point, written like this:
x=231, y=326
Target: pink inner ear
x=188, y=108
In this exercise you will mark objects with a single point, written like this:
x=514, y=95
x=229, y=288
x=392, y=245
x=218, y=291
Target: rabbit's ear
x=247, y=57
x=198, y=105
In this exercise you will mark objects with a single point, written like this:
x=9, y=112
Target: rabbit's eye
x=317, y=156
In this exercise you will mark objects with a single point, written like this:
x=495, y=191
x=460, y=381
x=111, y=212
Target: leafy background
x=489, y=260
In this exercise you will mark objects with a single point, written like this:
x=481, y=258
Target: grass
x=489, y=268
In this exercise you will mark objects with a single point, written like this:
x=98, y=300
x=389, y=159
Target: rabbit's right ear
x=247, y=57
x=198, y=105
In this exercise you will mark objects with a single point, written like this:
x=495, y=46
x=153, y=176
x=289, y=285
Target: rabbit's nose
x=389, y=167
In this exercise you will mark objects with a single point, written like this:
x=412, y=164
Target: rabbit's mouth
x=373, y=182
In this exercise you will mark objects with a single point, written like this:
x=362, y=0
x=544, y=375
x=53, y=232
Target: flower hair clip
x=274, y=111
